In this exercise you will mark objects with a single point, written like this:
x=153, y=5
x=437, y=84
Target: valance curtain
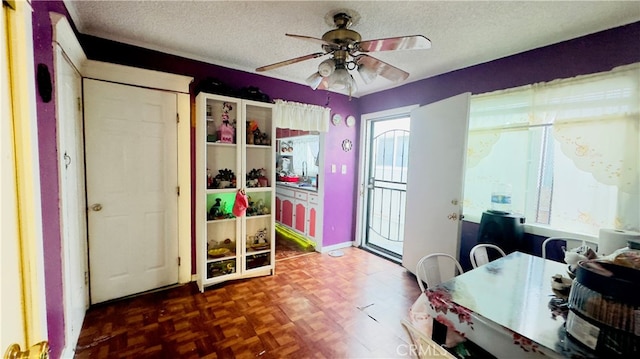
x=594, y=121
x=300, y=116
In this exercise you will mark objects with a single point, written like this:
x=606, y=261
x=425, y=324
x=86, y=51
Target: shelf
x=242, y=158
x=222, y=220
x=232, y=255
x=220, y=190
x=222, y=144
x=259, y=216
x=258, y=189
x=262, y=147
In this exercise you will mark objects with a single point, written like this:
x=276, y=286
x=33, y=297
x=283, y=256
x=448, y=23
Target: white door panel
x=437, y=149
x=72, y=195
x=131, y=189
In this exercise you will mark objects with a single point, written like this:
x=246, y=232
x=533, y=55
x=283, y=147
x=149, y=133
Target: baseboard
x=68, y=353
x=336, y=246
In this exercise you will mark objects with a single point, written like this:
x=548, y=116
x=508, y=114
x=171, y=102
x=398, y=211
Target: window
x=569, y=150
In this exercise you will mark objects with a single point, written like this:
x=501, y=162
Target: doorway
x=132, y=181
x=386, y=153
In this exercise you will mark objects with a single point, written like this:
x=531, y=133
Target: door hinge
x=79, y=104
x=178, y=261
x=10, y=3
x=177, y=117
x=178, y=190
x=86, y=278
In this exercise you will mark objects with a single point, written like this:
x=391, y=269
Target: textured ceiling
x=247, y=34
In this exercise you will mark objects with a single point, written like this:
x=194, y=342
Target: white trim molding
x=105, y=71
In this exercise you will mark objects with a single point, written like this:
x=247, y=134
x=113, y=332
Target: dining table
x=507, y=307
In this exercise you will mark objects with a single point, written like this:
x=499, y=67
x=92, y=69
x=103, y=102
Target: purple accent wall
x=593, y=53
x=597, y=52
x=47, y=146
x=340, y=197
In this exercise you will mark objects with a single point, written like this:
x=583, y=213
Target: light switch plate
x=344, y=169
x=333, y=168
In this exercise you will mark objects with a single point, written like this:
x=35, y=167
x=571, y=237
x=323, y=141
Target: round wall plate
x=336, y=119
x=350, y=121
x=347, y=145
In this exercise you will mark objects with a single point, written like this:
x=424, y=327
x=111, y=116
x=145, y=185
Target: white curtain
x=593, y=122
x=300, y=116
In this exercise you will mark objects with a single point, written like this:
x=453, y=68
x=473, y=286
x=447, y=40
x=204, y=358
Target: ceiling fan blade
x=309, y=38
x=382, y=68
x=414, y=42
x=290, y=61
x=318, y=82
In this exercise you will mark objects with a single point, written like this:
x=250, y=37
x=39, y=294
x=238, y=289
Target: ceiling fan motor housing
x=345, y=39
x=342, y=36
x=347, y=52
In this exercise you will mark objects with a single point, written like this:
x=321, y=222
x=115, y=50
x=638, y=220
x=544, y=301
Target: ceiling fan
x=348, y=52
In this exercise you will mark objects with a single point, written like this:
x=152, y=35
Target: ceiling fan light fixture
x=340, y=79
x=314, y=80
x=326, y=67
x=367, y=74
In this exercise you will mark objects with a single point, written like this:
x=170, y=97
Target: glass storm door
x=387, y=143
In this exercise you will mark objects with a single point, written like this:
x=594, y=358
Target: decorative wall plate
x=350, y=121
x=347, y=145
x=336, y=119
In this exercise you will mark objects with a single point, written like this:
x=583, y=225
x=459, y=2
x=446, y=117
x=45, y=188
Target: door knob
x=37, y=351
x=453, y=216
x=96, y=207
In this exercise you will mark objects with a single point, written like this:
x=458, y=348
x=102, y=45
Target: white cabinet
x=313, y=215
x=235, y=150
x=300, y=210
x=285, y=199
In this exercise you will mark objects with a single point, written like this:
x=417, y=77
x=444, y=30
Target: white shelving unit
x=230, y=247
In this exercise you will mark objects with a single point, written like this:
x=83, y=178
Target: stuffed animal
x=261, y=236
x=227, y=131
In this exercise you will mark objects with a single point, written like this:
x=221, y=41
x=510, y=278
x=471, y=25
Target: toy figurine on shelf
x=225, y=179
x=252, y=126
x=215, y=210
x=263, y=180
x=227, y=131
x=210, y=180
x=261, y=237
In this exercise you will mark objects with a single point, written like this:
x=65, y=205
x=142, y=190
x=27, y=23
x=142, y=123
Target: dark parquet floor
x=315, y=306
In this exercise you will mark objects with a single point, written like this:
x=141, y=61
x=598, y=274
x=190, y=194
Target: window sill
x=542, y=231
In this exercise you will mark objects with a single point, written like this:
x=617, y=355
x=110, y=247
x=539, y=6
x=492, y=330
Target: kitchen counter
x=296, y=185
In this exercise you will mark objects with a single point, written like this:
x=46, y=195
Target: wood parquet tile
x=315, y=306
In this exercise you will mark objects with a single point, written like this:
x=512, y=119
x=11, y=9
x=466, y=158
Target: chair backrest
x=422, y=344
x=480, y=256
x=436, y=268
x=569, y=243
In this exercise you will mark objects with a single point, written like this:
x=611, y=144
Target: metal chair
x=423, y=347
x=480, y=256
x=436, y=268
x=569, y=243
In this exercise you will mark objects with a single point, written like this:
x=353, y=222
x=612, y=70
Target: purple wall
x=47, y=146
x=593, y=53
x=339, y=218
x=589, y=54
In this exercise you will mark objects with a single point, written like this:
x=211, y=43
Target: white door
x=22, y=298
x=12, y=320
x=72, y=199
x=131, y=155
x=437, y=149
